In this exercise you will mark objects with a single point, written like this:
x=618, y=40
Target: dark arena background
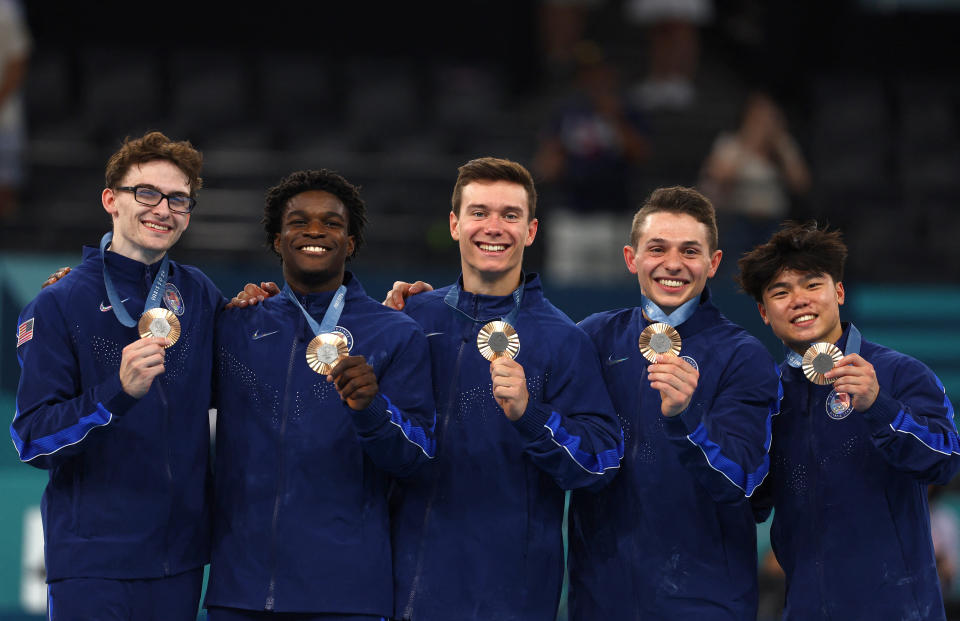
x=395, y=97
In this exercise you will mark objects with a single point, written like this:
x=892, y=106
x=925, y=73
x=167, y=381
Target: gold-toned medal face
x=819, y=359
x=159, y=322
x=325, y=351
x=659, y=338
x=497, y=339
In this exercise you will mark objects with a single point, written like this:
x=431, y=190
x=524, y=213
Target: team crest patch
x=347, y=334
x=172, y=299
x=24, y=332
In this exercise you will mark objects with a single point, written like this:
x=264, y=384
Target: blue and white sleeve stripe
x=413, y=433
x=594, y=463
x=48, y=445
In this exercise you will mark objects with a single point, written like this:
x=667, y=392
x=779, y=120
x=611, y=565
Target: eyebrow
x=784, y=285
x=660, y=240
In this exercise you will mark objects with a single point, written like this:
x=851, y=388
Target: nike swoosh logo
x=612, y=361
x=104, y=309
x=429, y=334
x=259, y=335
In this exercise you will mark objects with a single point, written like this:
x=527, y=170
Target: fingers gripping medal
x=159, y=322
x=819, y=359
x=325, y=351
x=659, y=338
x=498, y=339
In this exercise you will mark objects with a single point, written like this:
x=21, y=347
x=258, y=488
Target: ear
x=532, y=227
x=630, y=258
x=276, y=243
x=763, y=313
x=454, y=231
x=714, y=263
x=841, y=295
x=351, y=244
x=109, y=200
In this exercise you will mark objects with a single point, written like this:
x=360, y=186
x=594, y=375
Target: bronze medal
x=497, y=339
x=659, y=338
x=325, y=351
x=159, y=322
x=819, y=359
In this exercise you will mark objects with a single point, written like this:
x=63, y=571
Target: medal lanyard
x=680, y=314
x=330, y=317
x=854, y=340
x=453, y=298
x=153, y=297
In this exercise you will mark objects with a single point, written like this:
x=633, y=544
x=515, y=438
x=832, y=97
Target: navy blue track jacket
x=301, y=521
x=673, y=536
x=477, y=534
x=851, y=526
x=129, y=478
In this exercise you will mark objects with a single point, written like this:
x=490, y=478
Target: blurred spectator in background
x=750, y=175
x=562, y=25
x=586, y=158
x=14, y=52
x=945, y=531
x=673, y=43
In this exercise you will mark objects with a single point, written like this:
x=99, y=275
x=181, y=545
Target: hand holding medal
x=671, y=376
x=854, y=379
x=355, y=381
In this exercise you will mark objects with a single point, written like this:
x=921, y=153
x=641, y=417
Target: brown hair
x=494, y=169
x=155, y=146
x=677, y=199
x=801, y=247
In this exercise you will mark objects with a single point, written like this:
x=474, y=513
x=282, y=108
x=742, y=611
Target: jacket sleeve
x=911, y=424
x=725, y=440
x=397, y=429
x=55, y=412
x=574, y=434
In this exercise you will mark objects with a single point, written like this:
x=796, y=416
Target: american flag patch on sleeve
x=25, y=332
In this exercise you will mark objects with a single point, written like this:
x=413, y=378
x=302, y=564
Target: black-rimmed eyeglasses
x=151, y=197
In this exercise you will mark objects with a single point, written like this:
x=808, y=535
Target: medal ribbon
x=680, y=314
x=153, y=297
x=453, y=298
x=330, y=317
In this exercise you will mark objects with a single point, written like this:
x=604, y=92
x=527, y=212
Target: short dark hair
x=677, y=199
x=803, y=247
x=493, y=169
x=155, y=146
x=321, y=180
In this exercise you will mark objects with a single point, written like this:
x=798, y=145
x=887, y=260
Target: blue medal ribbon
x=330, y=317
x=680, y=314
x=453, y=298
x=153, y=297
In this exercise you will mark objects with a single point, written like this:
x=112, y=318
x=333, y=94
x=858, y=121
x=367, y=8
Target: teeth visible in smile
x=313, y=249
x=804, y=318
x=156, y=227
x=671, y=283
x=492, y=247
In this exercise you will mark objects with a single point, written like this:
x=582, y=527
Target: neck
x=491, y=284
x=833, y=337
x=142, y=255
x=304, y=284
